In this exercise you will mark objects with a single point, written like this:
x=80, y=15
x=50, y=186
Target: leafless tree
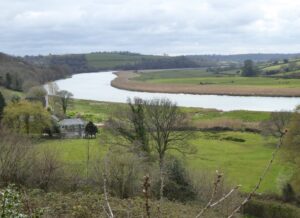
x=16, y=157
x=277, y=123
x=164, y=120
x=47, y=169
x=130, y=128
x=65, y=98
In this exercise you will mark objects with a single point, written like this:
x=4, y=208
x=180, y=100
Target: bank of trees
x=249, y=69
x=26, y=117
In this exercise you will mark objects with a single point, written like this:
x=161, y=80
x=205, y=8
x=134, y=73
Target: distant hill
x=242, y=57
x=15, y=72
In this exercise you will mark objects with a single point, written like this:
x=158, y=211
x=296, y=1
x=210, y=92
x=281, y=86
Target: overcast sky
x=174, y=27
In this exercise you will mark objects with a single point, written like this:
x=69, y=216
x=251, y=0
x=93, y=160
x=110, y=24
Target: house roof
x=71, y=122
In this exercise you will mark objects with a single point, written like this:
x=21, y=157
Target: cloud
x=149, y=26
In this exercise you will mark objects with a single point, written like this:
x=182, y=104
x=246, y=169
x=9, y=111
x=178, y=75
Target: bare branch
x=109, y=213
x=216, y=184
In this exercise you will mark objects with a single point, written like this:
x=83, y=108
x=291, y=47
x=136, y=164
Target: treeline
x=17, y=74
x=76, y=63
x=79, y=63
x=162, y=63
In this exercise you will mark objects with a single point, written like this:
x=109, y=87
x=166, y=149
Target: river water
x=96, y=86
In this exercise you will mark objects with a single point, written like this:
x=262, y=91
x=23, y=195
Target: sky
x=174, y=27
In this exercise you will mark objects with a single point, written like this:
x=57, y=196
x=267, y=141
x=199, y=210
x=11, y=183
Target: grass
x=73, y=152
x=232, y=81
x=7, y=93
x=112, y=60
x=202, y=77
x=242, y=162
x=100, y=111
x=210, y=114
x=94, y=110
x=167, y=74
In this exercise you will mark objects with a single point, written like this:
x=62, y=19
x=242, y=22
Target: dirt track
x=123, y=82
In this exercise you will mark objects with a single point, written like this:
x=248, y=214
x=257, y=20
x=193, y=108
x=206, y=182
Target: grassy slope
x=112, y=60
x=242, y=162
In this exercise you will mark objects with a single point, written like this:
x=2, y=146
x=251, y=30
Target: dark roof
x=71, y=122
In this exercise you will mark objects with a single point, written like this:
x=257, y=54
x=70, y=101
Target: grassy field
x=112, y=60
x=242, y=162
x=230, y=81
x=100, y=111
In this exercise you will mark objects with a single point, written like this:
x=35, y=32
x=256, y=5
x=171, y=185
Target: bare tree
x=65, y=98
x=277, y=123
x=15, y=157
x=47, y=169
x=129, y=124
x=164, y=121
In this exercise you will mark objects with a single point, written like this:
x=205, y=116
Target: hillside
x=97, y=61
x=16, y=72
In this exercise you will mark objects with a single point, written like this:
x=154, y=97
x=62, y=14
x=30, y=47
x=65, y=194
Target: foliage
x=16, y=73
x=277, y=124
x=65, y=98
x=178, y=185
x=2, y=105
x=26, y=117
x=91, y=129
x=292, y=145
x=16, y=157
x=11, y=205
x=37, y=93
x=270, y=209
x=249, y=69
x=288, y=193
x=130, y=125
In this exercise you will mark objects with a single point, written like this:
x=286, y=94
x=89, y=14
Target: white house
x=72, y=128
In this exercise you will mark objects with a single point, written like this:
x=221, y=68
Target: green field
x=202, y=77
x=94, y=110
x=231, y=81
x=100, y=111
x=113, y=60
x=242, y=162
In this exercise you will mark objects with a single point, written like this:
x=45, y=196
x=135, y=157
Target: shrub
x=270, y=209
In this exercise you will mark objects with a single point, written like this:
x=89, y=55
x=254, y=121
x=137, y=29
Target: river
x=96, y=86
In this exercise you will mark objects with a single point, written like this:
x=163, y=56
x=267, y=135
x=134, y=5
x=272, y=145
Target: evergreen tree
x=2, y=105
x=8, y=81
x=91, y=129
x=249, y=69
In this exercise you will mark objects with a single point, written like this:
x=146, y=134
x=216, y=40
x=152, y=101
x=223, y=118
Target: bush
x=270, y=209
x=177, y=183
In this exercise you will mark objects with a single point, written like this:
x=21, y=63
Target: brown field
x=123, y=81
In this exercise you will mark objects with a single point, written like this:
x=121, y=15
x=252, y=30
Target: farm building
x=72, y=128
